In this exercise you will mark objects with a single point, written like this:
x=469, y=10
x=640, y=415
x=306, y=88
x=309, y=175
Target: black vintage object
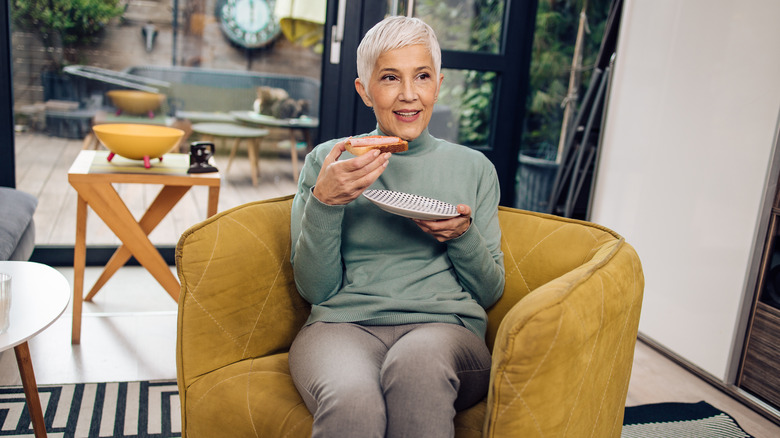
x=201, y=153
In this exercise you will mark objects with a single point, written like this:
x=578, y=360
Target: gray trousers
x=388, y=381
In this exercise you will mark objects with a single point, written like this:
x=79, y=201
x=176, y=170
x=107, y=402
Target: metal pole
x=7, y=163
x=574, y=82
x=175, y=30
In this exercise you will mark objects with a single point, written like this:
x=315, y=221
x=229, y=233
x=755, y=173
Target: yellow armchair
x=562, y=335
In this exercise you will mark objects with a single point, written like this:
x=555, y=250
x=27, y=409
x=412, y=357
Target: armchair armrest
x=563, y=354
x=238, y=298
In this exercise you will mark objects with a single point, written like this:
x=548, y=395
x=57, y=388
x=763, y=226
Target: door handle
x=337, y=33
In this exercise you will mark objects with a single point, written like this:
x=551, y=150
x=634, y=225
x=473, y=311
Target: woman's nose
x=408, y=92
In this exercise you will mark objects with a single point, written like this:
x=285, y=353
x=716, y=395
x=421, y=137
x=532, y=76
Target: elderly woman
x=394, y=345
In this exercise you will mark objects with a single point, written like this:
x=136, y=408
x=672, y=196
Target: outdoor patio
x=42, y=164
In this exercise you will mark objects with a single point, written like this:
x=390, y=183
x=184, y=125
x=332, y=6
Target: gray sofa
x=17, y=228
x=194, y=90
x=191, y=89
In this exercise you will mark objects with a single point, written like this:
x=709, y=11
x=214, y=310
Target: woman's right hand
x=341, y=182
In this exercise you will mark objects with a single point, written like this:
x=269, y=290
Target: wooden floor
x=657, y=379
x=42, y=164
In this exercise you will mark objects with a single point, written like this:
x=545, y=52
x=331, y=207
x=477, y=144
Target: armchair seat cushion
x=244, y=389
x=256, y=397
x=17, y=229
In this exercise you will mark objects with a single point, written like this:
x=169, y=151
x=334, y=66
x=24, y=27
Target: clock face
x=249, y=23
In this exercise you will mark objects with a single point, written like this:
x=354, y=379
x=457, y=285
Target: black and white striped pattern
x=719, y=426
x=118, y=409
x=679, y=420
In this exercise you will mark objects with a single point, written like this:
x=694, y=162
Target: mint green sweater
x=358, y=263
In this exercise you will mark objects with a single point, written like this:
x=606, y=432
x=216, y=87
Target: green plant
x=476, y=108
x=557, y=22
x=64, y=24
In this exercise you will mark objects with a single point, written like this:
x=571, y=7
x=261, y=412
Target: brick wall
x=200, y=42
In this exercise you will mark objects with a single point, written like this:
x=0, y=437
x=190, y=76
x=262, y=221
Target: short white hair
x=392, y=33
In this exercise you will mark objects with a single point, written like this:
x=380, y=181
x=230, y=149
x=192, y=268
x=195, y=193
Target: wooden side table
x=39, y=297
x=210, y=131
x=92, y=177
x=304, y=124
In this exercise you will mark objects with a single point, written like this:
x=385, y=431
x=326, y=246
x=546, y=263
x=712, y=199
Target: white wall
x=687, y=146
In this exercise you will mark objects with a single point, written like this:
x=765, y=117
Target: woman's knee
x=351, y=411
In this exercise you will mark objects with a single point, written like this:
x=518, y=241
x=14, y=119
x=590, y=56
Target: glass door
x=486, y=51
x=486, y=48
x=207, y=58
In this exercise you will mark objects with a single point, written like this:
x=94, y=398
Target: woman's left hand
x=446, y=229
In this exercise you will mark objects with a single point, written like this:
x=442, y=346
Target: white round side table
x=39, y=295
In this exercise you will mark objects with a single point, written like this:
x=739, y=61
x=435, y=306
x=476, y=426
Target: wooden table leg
x=168, y=197
x=233, y=151
x=213, y=202
x=254, y=151
x=24, y=361
x=79, y=263
x=294, y=154
x=105, y=201
x=90, y=141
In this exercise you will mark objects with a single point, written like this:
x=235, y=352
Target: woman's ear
x=441, y=81
x=363, y=93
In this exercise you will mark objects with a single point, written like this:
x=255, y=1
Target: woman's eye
x=388, y=77
x=423, y=76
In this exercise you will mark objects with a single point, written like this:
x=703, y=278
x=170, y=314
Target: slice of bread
x=361, y=145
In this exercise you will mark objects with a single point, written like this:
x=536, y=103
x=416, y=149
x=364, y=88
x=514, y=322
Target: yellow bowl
x=138, y=142
x=136, y=102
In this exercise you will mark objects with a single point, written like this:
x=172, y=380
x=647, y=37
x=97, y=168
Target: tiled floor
x=128, y=333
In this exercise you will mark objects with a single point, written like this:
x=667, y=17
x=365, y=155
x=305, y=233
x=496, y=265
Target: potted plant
x=63, y=26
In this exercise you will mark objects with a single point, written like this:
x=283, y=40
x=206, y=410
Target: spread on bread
x=361, y=145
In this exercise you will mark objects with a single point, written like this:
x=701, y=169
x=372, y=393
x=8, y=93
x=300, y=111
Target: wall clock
x=249, y=23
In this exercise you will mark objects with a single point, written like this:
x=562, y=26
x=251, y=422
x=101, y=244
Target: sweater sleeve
x=476, y=254
x=315, y=231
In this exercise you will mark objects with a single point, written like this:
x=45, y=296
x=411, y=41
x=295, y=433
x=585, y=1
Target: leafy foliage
x=64, y=23
x=557, y=22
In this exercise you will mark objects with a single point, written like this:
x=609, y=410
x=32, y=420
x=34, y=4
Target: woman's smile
x=407, y=116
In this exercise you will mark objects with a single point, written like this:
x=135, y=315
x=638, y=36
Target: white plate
x=411, y=206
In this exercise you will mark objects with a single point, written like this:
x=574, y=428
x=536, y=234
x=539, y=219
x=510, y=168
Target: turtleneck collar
x=419, y=145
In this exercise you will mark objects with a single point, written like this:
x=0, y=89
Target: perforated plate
x=411, y=206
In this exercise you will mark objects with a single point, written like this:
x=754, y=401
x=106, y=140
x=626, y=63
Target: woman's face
x=402, y=90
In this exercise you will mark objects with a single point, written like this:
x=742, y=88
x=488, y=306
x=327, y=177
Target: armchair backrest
x=238, y=298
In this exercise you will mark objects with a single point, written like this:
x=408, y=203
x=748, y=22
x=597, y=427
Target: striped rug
x=679, y=420
x=118, y=409
x=151, y=410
